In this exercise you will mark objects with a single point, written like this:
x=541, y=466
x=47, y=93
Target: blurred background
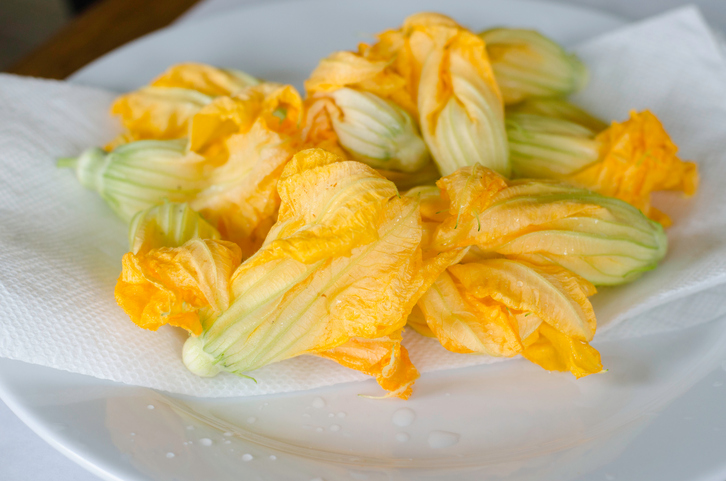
x=25, y=24
x=54, y=38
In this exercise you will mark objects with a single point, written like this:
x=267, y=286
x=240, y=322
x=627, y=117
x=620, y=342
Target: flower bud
x=377, y=132
x=142, y=174
x=528, y=64
x=167, y=225
x=548, y=147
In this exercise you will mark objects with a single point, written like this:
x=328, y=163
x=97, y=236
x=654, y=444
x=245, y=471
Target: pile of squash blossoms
x=436, y=179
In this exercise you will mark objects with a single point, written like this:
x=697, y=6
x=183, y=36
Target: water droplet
x=609, y=477
x=319, y=430
x=190, y=428
x=448, y=394
x=169, y=455
x=306, y=415
x=442, y=439
x=403, y=417
x=318, y=402
x=520, y=283
x=251, y=420
x=133, y=434
x=228, y=434
x=272, y=457
x=334, y=427
x=247, y=457
x=402, y=437
x=228, y=442
x=150, y=406
x=717, y=384
x=341, y=415
x=331, y=415
x=205, y=442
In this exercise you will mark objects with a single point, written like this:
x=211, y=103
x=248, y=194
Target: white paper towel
x=60, y=246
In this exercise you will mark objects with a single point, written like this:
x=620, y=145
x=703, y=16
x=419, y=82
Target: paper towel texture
x=61, y=246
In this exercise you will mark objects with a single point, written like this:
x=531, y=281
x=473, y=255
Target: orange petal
x=385, y=358
x=555, y=351
x=469, y=190
x=465, y=324
x=349, y=69
x=552, y=293
x=638, y=158
x=172, y=285
x=203, y=78
x=250, y=138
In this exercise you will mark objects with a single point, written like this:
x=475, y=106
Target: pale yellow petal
x=552, y=293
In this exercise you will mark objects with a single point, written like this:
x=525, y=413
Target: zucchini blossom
x=628, y=160
x=549, y=148
x=373, y=130
x=438, y=72
x=528, y=64
x=142, y=174
x=502, y=307
x=336, y=277
x=601, y=239
x=163, y=109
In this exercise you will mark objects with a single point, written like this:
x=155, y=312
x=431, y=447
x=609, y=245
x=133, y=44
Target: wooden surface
x=100, y=29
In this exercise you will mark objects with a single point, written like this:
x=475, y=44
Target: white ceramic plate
x=509, y=421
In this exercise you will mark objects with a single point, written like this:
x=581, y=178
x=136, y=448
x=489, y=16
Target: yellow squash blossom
x=142, y=174
x=549, y=148
x=370, y=129
x=502, y=307
x=601, y=239
x=461, y=112
x=167, y=225
x=248, y=137
x=177, y=269
x=637, y=158
x=628, y=160
x=227, y=169
x=528, y=64
x=342, y=264
x=558, y=108
x=205, y=79
x=438, y=72
x=156, y=113
x=163, y=109
x=384, y=358
x=361, y=72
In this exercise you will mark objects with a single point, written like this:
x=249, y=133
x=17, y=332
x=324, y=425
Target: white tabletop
x=26, y=457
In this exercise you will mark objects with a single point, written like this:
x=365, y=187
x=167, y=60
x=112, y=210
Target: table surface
x=23, y=455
